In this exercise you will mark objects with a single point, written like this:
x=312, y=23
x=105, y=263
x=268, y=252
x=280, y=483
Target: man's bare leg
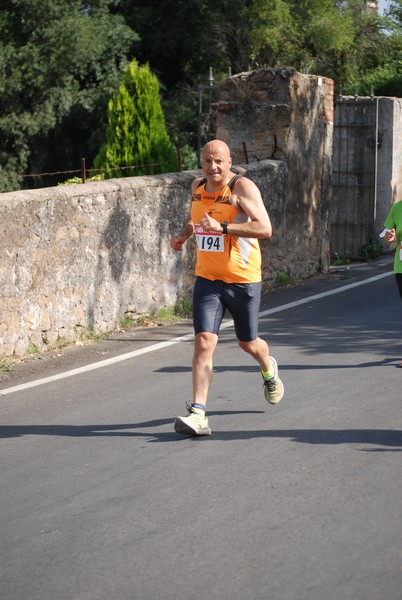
x=204, y=348
x=259, y=350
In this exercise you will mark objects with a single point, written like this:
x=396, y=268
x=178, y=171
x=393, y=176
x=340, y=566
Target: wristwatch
x=224, y=226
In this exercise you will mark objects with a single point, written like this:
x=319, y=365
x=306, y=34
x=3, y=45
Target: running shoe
x=194, y=423
x=273, y=387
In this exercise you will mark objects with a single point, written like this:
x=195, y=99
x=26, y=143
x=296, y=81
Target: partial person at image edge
x=393, y=224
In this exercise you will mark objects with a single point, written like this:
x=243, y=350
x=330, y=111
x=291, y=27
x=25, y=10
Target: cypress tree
x=136, y=133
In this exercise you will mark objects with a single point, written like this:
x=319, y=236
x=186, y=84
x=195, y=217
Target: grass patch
x=158, y=318
x=73, y=180
x=370, y=251
x=33, y=348
x=6, y=366
x=88, y=335
x=127, y=322
x=283, y=278
x=339, y=262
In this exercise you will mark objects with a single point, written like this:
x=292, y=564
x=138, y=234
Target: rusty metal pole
x=245, y=152
x=83, y=171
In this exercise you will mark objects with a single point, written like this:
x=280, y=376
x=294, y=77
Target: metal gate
x=354, y=177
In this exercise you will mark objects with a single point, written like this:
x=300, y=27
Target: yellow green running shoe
x=273, y=387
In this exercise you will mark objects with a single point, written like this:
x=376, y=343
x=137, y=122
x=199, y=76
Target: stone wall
x=82, y=257
x=284, y=115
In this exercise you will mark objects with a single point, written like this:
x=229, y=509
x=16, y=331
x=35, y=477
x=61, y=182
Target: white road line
x=184, y=338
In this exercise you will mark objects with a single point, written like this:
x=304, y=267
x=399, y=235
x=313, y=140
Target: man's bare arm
x=247, y=198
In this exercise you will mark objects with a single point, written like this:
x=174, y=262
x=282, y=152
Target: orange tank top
x=229, y=258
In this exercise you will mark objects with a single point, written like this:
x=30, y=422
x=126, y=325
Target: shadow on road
x=388, y=438
x=384, y=362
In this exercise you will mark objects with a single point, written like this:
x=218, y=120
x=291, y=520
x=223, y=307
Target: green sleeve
x=390, y=220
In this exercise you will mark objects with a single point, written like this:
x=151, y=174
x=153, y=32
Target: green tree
x=136, y=133
x=181, y=39
x=385, y=77
x=178, y=37
x=60, y=62
x=340, y=40
x=394, y=13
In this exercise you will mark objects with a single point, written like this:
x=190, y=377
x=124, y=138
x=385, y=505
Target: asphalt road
x=100, y=499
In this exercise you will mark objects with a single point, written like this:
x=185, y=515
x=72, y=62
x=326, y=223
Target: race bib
x=209, y=242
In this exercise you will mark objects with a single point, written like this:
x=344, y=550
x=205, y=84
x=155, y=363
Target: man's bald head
x=216, y=146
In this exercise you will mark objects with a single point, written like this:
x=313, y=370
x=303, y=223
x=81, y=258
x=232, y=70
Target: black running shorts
x=398, y=278
x=211, y=299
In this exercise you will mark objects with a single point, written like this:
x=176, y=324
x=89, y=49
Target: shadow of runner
x=117, y=429
x=387, y=438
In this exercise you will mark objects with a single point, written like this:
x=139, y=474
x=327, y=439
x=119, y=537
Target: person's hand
x=176, y=242
x=210, y=225
x=390, y=236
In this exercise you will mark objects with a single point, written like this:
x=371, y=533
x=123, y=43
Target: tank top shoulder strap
x=201, y=182
x=232, y=182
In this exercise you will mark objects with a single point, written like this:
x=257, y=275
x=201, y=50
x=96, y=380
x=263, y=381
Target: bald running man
x=227, y=217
